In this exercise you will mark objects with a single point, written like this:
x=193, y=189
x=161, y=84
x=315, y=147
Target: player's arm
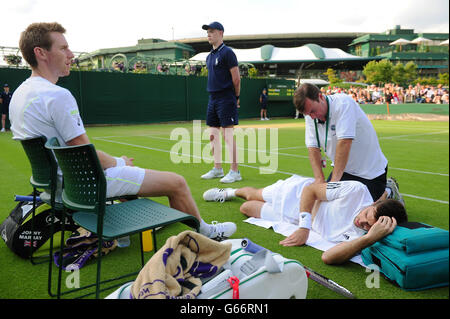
x=310, y=195
x=315, y=158
x=344, y=251
x=106, y=160
x=236, y=79
x=341, y=158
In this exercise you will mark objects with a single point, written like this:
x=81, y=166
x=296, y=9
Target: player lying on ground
x=341, y=212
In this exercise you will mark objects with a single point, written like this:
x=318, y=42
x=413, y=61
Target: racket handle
x=250, y=246
x=21, y=198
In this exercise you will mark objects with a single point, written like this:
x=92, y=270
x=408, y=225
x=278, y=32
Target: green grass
x=418, y=157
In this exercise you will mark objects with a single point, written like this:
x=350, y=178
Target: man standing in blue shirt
x=224, y=84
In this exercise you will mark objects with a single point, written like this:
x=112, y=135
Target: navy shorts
x=5, y=109
x=375, y=186
x=222, y=109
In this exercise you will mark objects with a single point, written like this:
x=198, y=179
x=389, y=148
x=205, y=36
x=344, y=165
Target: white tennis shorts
x=123, y=180
x=282, y=199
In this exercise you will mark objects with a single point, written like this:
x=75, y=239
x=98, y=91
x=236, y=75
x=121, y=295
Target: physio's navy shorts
x=222, y=109
x=375, y=186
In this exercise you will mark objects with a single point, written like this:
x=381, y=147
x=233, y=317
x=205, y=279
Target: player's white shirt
x=334, y=219
x=348, y=121
x=39, y=107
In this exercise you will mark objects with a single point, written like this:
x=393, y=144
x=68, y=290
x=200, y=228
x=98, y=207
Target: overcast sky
x=96, y=24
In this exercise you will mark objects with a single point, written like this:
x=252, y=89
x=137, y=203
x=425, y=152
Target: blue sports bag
x=415, y=256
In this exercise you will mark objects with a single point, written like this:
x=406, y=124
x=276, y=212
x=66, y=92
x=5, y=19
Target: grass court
x=418, y=155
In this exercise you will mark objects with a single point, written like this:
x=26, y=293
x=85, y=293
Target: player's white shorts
x=282, y=199
x=123, y=180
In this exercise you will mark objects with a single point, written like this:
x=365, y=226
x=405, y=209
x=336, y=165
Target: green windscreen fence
x=126, y=98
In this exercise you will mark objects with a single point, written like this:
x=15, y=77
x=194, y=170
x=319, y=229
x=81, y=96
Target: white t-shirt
x=348, y=121
x=39, y=107
x=334, y=218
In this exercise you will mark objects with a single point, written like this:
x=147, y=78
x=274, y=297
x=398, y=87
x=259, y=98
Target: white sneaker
x=3, y=130
x=262, y=119
x=395, y=193
x=214, y=173
x=217, y=195
x=267, y=119
x=231, y=177
x=220, y=231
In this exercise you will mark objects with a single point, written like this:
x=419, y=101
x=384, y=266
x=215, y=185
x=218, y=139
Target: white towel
x=286, y=229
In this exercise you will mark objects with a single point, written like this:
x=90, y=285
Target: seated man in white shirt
x=341, y=212
x=39, y=107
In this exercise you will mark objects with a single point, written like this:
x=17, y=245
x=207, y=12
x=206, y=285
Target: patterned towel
x=176, y=268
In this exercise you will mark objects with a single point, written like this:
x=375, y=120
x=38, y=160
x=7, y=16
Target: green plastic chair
x=44, y=177
x=84, y=192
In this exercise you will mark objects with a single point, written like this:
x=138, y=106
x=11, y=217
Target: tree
x=443, y=79
x=411, y=72
x=399, y=74
x=332, y=78
x=378, y=72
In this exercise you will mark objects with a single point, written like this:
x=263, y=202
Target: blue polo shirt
x=219, y=62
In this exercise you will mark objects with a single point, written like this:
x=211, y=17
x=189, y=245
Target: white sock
x=205, y=229
x=231, y=193
x=389, y=191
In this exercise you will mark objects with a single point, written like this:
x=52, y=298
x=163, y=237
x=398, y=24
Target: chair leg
x=61, y=250
x=50, y=262
x=99, y=263
x=32, y=226
x=142, y=248
x=154, y=240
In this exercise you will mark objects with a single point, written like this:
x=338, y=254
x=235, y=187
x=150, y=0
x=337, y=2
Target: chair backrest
x=43, y=164
x=84, y=181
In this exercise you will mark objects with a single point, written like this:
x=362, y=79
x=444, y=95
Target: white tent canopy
x=400, y=41
x=421, y=40
x=268, y=53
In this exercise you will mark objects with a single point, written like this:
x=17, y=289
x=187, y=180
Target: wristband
x=304, y=220
x=119, y=161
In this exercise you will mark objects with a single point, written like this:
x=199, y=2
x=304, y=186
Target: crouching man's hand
x=298, y=238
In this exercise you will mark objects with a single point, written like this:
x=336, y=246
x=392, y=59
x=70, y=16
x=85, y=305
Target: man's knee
x=245, y=208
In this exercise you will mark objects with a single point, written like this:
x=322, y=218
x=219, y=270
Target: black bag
x=16, y=229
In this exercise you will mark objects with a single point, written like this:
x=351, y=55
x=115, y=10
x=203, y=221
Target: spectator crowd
x=394, y=94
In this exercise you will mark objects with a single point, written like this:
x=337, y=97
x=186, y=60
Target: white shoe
x=267, y=119
x=3, y=130
x=262, y=119
x=220, y=231
x=214, y=173
x=231, y=177
x=217, y=194
x=395, y=193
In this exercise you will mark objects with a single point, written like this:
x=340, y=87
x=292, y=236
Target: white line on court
x=425, y=198
x=245, y=165
x=276, y=153
x=409, y=135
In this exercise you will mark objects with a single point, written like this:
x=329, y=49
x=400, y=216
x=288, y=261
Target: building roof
x=143, y=45
x=248, y=41
x=271, y=54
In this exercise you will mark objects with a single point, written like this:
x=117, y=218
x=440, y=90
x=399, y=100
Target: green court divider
x=127, y=98
x=421, y=108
